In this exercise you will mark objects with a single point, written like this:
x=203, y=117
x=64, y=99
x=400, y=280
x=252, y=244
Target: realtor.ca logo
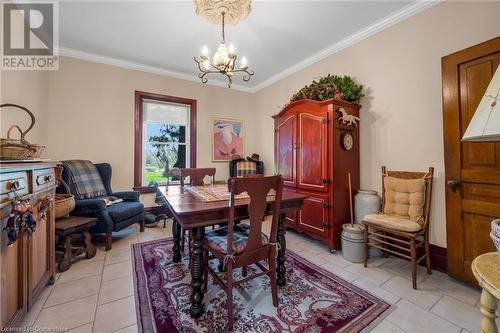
x=29, y=36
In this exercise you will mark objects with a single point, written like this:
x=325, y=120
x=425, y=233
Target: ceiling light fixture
x=224, y=61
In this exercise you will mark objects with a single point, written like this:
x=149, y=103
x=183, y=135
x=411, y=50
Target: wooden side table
x=66, y=229
x=486, y=269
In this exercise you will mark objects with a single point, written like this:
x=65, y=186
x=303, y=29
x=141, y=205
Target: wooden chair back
x=257, y=189
x=196, y=175
x=428, y=176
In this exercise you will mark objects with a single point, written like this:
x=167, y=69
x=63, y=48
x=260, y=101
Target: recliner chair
x=111, y=218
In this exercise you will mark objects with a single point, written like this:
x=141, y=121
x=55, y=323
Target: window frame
x=140, y=96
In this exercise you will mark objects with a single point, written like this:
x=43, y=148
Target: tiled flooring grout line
x=100, y=286
x=69, y=301
x=74, y=328
x=118, y=299
x=433, y=305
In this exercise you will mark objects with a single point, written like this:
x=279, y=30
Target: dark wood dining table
x=192, y=213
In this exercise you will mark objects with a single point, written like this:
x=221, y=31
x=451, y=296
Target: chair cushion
x=393, y=222
x=217, y=239
x=124, y=210
x=404, y=198
x=244, y=168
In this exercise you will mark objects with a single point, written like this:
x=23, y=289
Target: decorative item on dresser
x=311, y=157
x=27, y=264
x=13, y=149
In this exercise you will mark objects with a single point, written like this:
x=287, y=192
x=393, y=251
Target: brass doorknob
x=453, y=184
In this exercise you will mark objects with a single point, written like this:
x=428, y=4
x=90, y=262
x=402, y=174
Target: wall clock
x=347, y=141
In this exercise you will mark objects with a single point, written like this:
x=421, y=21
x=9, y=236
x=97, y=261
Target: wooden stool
x=68, y=227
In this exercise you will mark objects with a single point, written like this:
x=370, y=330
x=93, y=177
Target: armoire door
x=312, y=160
x=314, y=216
x=285, y=141
x=472, y=169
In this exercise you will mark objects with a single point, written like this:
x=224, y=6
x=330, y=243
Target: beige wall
x=28, y=89
x=92, y=114
x=401, y=116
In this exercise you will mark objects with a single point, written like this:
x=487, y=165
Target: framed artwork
x=227, y=139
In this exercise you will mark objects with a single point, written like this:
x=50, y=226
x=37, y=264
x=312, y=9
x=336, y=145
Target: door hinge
x=327, y=181
x=326, y=225
x=327, y=206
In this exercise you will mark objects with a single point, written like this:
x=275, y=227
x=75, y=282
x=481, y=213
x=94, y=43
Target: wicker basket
x=64, y=203
x=19, y=149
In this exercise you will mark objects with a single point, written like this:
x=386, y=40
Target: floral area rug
x=313, y=300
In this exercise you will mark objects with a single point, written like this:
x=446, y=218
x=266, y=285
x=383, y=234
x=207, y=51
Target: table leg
x=197, y=267
x=488, y=308
x=176, y=231
x=281, y=269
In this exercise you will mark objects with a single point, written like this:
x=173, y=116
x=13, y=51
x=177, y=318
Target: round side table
x=486, y=269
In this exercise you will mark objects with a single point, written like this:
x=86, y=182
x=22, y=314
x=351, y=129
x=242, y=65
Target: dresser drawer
x=13, y=182
x=43, y=179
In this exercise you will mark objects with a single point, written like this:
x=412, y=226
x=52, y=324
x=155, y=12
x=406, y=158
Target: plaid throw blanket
x=86, y=179
x=244, y=168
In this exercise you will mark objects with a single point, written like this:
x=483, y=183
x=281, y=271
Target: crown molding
x=77, y=54
x=386, y=22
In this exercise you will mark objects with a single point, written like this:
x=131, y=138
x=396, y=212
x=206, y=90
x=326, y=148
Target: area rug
x=313, y=300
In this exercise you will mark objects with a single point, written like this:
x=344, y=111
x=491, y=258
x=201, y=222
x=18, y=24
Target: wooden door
x=472, y=169
x=312, y=161
x=285, y=150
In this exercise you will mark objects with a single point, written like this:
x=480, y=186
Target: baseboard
x=439, y=258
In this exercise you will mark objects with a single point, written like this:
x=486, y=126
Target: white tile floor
x=97, y=295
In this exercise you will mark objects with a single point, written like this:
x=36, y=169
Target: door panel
x=285, y=148
x=314, y=214
x=472, y=205
x=312, y=150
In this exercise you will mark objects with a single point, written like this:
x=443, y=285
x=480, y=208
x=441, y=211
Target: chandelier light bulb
x=231, y=49
x=204, y=51
x=206, y=64
x=244, y=62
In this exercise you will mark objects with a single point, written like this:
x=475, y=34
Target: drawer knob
x=48, y=178
x=14, y=185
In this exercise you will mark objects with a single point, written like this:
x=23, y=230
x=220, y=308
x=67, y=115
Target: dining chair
x=196, y=175
x=242, y=245
x=403, y=226
x=196, y=178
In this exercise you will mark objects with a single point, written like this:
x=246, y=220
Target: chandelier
x=224, y=61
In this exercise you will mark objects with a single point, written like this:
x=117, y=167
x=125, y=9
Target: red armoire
x=316, y=145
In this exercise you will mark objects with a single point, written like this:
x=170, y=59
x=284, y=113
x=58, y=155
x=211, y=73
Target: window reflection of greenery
x=165, y=150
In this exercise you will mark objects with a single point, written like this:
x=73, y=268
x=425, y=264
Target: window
x=165, y=138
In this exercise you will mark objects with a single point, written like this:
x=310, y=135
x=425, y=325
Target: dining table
x=194, y=213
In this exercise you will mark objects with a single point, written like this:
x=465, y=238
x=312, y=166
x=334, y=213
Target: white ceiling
x=277, y=38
